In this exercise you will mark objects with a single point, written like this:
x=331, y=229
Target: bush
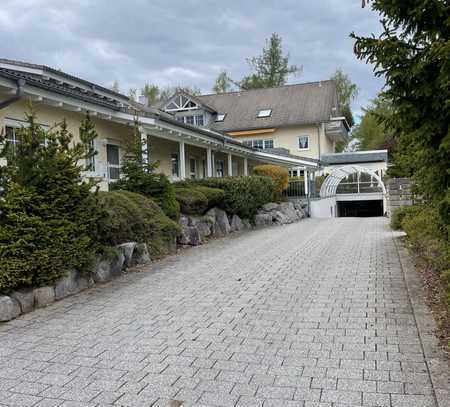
x=48, y=216
x=279, y=175
x=152, y=185
x=399, y=214
x=140, y=177
x=134, y=217
x=215, y=196
x=191, y=200
x=243, y=195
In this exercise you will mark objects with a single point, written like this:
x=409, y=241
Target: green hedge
x=214, y=195
x=428, y=238
x=153, y=185
x=191, y=200
x=134, y=217
x=399, y=214
x=243, y=195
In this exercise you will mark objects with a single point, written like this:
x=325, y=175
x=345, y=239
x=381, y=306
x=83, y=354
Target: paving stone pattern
x=310, y=314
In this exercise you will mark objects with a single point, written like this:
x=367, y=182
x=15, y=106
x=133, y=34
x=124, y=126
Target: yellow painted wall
x=49, y=116
x=288, y=138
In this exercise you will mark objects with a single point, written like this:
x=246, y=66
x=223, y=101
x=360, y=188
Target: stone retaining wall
x=196, y=230
x=398, y=193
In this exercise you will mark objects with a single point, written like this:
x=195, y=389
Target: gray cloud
x=185, y=42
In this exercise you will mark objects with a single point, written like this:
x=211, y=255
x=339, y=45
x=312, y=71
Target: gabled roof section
x=60, y=82
x=304, y=103
x=181, y=101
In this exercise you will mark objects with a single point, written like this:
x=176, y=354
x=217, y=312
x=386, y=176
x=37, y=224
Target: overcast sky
x=185, y=42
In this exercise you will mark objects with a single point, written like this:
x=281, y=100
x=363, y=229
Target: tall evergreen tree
x=271, y=68
x=222, y=84
x=413, y=55
x=347, y=92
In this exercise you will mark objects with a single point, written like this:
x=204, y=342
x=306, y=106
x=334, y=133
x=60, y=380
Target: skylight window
x=265, y=113
x=220, y=117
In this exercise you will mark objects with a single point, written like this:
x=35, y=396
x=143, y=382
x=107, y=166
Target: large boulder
x=44, y=296
x=141, y=254
x=109, y=266
x=69, y=285
x=271, y=206
x=236, y=223
x=287, y=208
x=263, y=219
x=127, y=249
x=189, y=236
x=25, y=298
x=184, y=220
x=222, y=223
x=280, y=218
x=9, y=308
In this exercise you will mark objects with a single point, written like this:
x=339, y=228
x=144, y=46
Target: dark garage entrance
x=361, y=209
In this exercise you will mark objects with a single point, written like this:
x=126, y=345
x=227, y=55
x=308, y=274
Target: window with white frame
x=174, y=164
x=258, y=144
x=268, y=143
x=90, y=161
x=220, y=117
x=113, y=161
x=11, y=138
x=192, y=168
x=303, y=143
x=194, y=120
x=220, y=168
x=265, y=113
x=261, y=144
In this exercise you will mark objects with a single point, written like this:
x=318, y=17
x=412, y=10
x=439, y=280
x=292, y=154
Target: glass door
x=113, y=160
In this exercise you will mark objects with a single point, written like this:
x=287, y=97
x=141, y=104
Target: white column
x=305, y=179
x=209, y=169
x=245, y=166
x=144, y=142
x=230, y=165
x=182, y=161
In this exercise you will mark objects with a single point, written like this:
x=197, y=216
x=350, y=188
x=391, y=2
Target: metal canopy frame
x=332, y=181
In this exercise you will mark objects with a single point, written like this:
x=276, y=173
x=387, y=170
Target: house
x=184, y=148
x=302, y=119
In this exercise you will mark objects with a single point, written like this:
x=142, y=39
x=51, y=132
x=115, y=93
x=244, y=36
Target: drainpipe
x=19, y=93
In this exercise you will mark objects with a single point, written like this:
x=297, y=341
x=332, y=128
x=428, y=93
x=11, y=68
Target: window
x=192, y=168
x=90, y=161
x=268, y=143
x=220, y=117
x=220, y=168
x=174, y=164
x=258, y=144
x=113, y=161
x=261, y=144
x=180, y=119
x=199, y=121
x=303, y=143
x=189, y=119
x=265, y=113
x=11, y=138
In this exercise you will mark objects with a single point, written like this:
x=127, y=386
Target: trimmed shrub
x=191, y=200
x=134, y=217
x=152, y=185
x=243, y=195
x=215, y=196
x=279, y=175
x=48, y=216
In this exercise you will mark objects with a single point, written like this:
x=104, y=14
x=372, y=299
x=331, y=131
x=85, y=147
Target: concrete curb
x=435, y=359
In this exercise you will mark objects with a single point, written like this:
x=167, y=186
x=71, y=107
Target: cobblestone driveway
x=310, y=314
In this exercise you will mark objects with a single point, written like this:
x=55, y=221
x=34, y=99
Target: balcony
x=337, y=129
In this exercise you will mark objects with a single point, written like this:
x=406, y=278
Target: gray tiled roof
x=87, y=91
x=303, y=103
x=355, y=157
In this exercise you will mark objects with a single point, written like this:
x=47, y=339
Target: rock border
x=437, y=362
x=195, y=230
x=105, y=269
